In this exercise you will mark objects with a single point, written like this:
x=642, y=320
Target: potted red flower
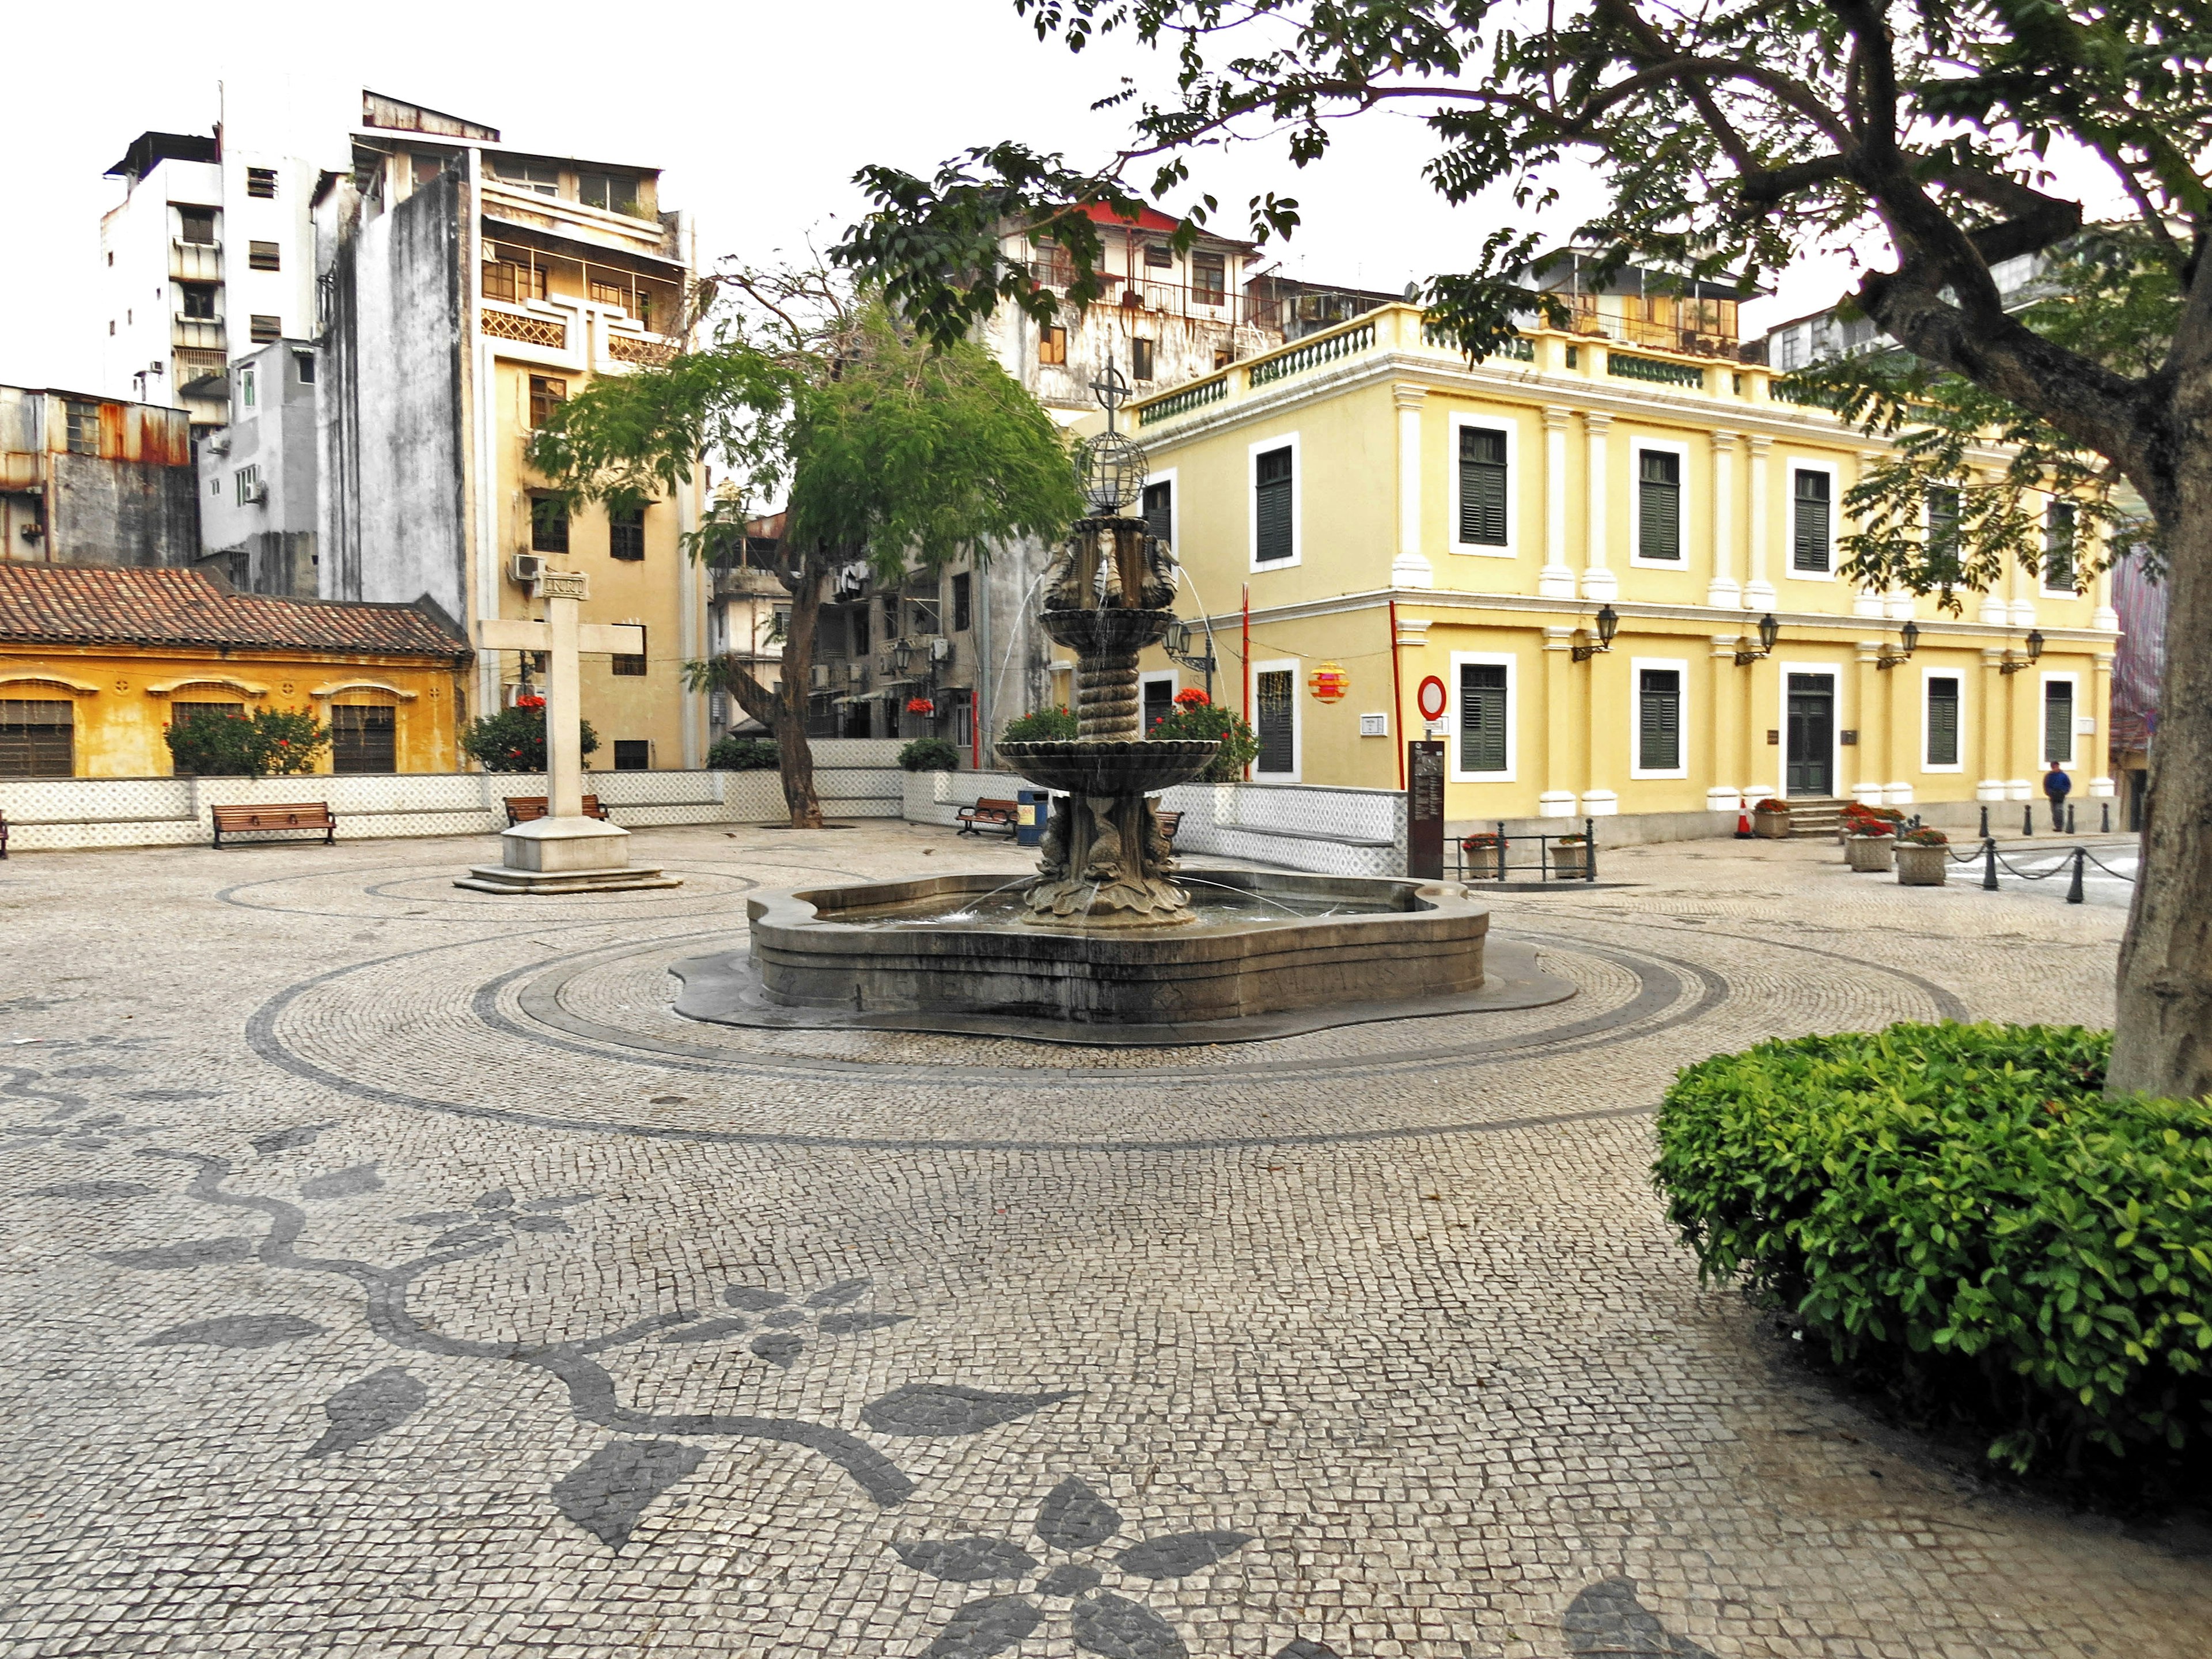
x=1770, y=819
x=1486, y=853
x=1923, y=858
x=921, y=706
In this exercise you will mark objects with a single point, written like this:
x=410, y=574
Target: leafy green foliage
x=1239, y=747
x=736, y=754
x=1956, y=1212
x=514, y=740
x=267, y=743
x=929, y=755
x=1041, y=725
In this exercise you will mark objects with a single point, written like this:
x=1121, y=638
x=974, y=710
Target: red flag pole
x=1247, y=667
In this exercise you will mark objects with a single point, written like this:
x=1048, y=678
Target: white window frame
x=2072, y=677
x=1791, y=465
x=1166, y=475
x=1680, y=452
x=1834, y=675
x=1635, y=667
x=1275, y=666
x=248, y=387
x=1467, y=659
x=2043, y=585
x=1511, y=428
x=1153, y=678
x=1267, y=446
x=1929, y=673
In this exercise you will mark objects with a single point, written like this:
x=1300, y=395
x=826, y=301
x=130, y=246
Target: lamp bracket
x=1744, y=658
x=1584, y=653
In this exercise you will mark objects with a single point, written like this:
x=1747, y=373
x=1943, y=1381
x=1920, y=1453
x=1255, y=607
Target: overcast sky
x=759, y=114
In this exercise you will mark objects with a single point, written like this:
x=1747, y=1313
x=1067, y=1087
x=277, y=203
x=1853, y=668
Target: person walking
x=2058, y=786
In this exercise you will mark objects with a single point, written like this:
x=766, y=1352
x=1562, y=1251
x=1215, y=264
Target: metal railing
x=1564, y=857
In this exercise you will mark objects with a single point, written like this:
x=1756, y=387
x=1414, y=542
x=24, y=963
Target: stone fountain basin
x=1110, y=766
x=1423, y=941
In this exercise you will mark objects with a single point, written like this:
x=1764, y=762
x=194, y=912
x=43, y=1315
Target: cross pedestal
x=563, y=852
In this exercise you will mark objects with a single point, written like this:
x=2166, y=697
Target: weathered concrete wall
x=393, y=524
x=118, y=512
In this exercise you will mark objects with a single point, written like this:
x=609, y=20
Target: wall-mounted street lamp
x=2013, y=665
x=1608, y=624
x=1910, y=634
x=902, y=656
x=1191, y=646
x=1769, y=631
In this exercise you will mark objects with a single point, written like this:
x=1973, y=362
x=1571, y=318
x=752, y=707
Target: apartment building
x=91, y=480
x=260, y=503
x=468, y=286
x=1559, y=560
x=210, y=254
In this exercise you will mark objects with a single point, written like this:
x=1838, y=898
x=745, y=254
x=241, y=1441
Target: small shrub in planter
x=1956, y=1215
x=1771, y=819
x=1870, y=849
x=736, y=754
x=1570, y=855
x=1041, y=725
x=1923, y=858
x=1484, y=852
x=929, y=755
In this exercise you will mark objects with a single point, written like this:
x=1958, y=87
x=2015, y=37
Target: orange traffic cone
x=1742, y=825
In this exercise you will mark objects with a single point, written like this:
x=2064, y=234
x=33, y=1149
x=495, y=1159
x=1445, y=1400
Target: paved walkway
x=388, y=1271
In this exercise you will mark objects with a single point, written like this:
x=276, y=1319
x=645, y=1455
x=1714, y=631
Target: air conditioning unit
x=940, y=649
x=526, y=568
x=256, y=493
x=217, y=443
x=821, y=677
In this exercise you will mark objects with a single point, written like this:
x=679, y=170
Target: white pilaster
x=1598, y=582
x=1759, y=591
x=1601, y=803
x=1411, y=568
x=2100, y=590
x=1556, y=580
x=1724, y=591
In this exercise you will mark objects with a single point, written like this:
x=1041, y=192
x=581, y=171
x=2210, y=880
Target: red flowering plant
x=528, y=700
x=219, y=743
x=1191, y=698
x=919, y=706
x=514, y=740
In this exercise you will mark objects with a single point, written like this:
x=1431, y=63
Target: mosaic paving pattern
x=388, y=1270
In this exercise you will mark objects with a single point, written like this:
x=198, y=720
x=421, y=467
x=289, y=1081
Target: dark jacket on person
x=2057, y=785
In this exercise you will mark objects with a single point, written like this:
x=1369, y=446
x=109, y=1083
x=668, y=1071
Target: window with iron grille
x=1943, y=721
x=2058, y=721
x=1271, y=504
x=1943, y=535
x=261, y=182
x=549, y=524
x=37, y=739
x=263, y=330
x=547, y=393
x=83, y=423
x=1159, y=509
x=633, y=754
x=628, y=666
x=303, y=364
x=1140, y=359
x=1811, y=499
x=1658, y=505
x=963, y=595
x=1482, y=486
x=1052, y=344
x=364, y=739
x=626, y=532
x=1482, y=717
x=263, y=256
x=245, y=483
x=1274, y=691
x=1209, y=279
x=196, y=300
x=196, y=226
x=1659, y=720
x=2058, y=567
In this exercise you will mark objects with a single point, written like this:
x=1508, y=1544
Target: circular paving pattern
x=391, y=1272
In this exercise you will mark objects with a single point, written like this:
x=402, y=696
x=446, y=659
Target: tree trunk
x=2162, y=1043
x=795, y=755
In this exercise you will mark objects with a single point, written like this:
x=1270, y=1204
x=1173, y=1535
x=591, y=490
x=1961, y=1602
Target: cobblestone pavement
x=387, y=1271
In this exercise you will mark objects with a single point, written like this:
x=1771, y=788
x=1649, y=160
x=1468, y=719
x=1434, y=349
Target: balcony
x=196, y=333
x=195, y=262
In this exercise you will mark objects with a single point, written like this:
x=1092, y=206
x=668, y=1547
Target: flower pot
x=1571, y=861
x=1771, y=826
x=1922, y=866
x=1870, y=853
x=1482, y=863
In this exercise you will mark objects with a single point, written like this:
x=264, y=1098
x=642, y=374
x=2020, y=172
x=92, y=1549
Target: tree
x=1727, y=138
x=884, y=450
x=514, y=740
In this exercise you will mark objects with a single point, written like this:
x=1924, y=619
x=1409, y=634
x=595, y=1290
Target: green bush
x=514, y=740
x=1040, y=725
x=1239, y=748
x=1959, y=1216
x=736, y=754
x=930, y=755
x=267, y=743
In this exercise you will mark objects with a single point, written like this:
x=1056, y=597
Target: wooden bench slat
x=276, y=815
x=527, y=809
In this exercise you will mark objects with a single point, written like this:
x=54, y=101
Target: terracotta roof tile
x=111, y=605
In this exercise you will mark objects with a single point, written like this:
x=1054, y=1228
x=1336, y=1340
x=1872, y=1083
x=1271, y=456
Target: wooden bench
x=277, y=816
x=1004, y=815
x=3, y=835
x=521, y=808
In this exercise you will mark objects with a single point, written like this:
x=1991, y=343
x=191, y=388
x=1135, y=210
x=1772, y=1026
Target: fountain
x=1107, y=943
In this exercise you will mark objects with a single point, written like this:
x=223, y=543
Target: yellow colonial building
x=1559, y=560
x=96, y=661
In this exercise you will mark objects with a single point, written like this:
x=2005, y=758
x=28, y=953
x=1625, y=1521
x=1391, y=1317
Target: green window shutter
x=2058, y=721
x=1658, y=505
x=1277, y=733
x=1659, y=720
x=1482, y=486
x=1159, y=509
x=1942, y=722
x=1272, y=504
x=2058, y=546
x=1943, y=535
x=1810, y=538
x=1482, y=717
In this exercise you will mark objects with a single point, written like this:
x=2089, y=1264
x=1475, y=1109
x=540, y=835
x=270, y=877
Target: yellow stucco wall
x=121, y=699
x=1354, y=415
